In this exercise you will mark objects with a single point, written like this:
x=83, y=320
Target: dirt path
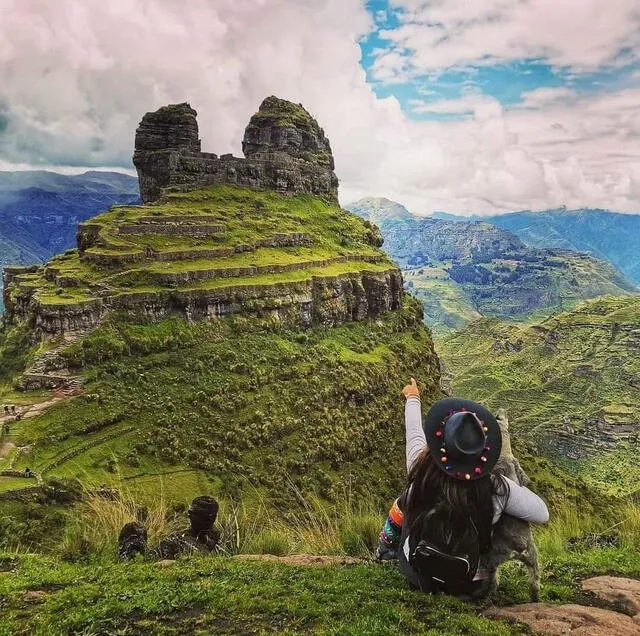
x=301, y=559
x=619, y=616
x=6, y=448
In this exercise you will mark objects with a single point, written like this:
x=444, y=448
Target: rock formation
x=204, y=250
x=285, y=150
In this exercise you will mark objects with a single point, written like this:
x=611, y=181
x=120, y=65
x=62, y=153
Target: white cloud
x=75, y=79
x=546, y=96
x=465, y=105
x=582, y=35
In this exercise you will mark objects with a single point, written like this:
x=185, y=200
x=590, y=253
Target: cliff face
x=208, y=248
x=285, y=150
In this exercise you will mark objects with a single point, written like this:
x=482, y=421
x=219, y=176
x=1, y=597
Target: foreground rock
x=573, y=620
x=302, y=559
x=623, y=593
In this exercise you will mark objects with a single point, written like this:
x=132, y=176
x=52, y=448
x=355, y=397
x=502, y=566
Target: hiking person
x=440, y=528
x=6, y=409
x=28, y=473
x=13, y=409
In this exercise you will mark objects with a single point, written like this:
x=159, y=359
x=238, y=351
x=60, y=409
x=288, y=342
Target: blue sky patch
x=506, y=81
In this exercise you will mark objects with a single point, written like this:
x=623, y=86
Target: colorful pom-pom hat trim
x=464, y=438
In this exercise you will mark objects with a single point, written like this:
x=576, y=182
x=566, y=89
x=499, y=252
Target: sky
x=465, y=106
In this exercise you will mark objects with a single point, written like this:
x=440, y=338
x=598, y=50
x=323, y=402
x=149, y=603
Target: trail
x=9, y=450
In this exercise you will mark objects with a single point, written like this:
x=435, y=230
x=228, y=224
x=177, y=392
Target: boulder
x=622, y=592
x=569, y=620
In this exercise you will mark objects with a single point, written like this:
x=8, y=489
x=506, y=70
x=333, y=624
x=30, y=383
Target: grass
x=445, y=305
x=173, y=399
x=219, y=595
x=249, y=217
x=576, y=369
x=94, y=594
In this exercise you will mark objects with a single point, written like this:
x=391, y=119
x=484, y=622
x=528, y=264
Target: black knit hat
x=464, y=438
x=204, y=506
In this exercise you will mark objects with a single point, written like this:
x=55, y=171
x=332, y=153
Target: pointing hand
x=411, y=390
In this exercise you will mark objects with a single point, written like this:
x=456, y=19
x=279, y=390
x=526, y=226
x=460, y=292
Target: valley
x=461, y=270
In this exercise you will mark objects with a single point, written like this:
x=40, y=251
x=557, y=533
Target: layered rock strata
x=211, y=249
x=285, y=150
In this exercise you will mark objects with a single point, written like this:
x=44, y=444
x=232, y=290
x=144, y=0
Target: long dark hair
x=468, y=500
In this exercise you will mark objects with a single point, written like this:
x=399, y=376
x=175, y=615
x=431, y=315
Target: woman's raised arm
x=415, y=439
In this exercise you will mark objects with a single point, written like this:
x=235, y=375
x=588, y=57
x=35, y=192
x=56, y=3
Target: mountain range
x=40, y=210
x=612, y=236
x=464, y=269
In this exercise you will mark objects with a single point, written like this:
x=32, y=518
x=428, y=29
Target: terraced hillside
x=208, y=253
x=571, y=383
x=248, y=342
x=179, y=404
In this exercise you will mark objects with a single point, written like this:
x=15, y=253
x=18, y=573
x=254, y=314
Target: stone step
x=208, y=273
x=114, y=255
x=31, y=381
x=172, y=229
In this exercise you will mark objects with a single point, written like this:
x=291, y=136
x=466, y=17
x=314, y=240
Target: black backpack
x=444, y=551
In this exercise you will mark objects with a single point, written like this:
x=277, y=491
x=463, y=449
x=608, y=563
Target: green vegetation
x=462, y=270
x=266, y=238
x=226, y=596
x=570, y=383
x=43, y=595
x=238, y=402
x=446, y=307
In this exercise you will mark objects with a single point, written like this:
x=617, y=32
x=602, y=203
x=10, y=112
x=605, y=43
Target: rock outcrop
x=285, y=150
x=204, y=250
x=569, y=620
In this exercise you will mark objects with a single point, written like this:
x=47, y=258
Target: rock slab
x=622, y=592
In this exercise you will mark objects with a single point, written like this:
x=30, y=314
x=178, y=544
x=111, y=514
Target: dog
x=512, y=537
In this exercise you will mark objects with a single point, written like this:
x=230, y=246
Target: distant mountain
x=379, y=210
x=572, y=382
x=609, y=235
x=40, y=210
x=462, y=270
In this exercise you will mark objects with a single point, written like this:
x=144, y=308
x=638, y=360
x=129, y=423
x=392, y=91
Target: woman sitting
x=441, y=526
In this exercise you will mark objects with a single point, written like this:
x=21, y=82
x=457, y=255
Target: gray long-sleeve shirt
x=518, y=501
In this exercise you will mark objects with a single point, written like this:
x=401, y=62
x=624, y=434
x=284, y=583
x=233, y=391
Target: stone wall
x=322, y=300
x=285, y=149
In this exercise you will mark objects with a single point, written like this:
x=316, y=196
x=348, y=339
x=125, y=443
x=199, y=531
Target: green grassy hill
x=230, y=596
x=462, y=270
x=570, y=383
x=230, y=341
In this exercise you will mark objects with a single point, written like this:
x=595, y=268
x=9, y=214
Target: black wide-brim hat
x=464, y=438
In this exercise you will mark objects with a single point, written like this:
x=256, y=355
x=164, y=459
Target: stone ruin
x=177, y=257
x=285, y=150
